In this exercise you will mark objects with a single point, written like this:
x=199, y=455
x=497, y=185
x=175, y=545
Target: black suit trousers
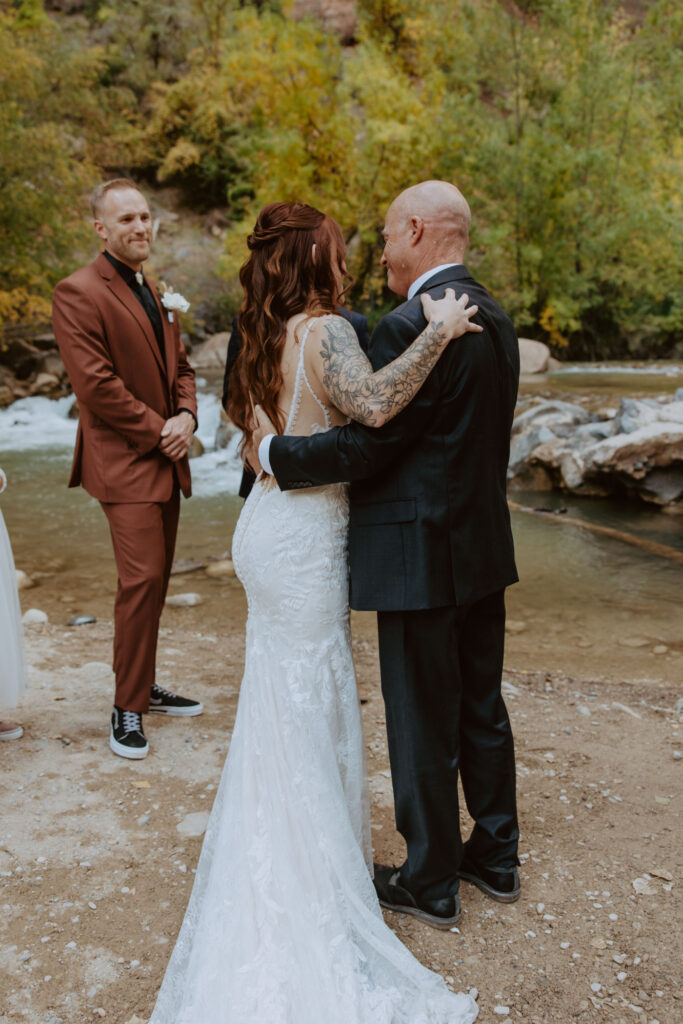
x=441, y=682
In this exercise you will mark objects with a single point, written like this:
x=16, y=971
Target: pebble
x=144, y=819
x=676, y=755
x=24, y=581
x=660, y=649
x=224, y=567
x=514, y=626
x=193, y=824
x=540, y=907
x=93, y=906
x=644, y=887
x=622, y=976
x=34, y=617
x=595, y=986
x=99, y=1012
x=633, y=641
x=583, y=710
x=502, y=1011
x=25, y=956
x=82, y=620
x=184, y=600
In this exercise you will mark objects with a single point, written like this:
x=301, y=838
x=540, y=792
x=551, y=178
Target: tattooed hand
x=453, y=314
x=375, y=398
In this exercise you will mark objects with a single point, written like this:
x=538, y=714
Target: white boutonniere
x=171, y=301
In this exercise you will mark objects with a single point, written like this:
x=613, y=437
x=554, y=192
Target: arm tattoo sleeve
x=375, y=398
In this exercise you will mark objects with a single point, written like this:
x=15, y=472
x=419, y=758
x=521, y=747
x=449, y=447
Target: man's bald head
x=426, y=225
x=438, y=203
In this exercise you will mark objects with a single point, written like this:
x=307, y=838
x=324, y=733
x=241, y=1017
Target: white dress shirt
x=423, y=278
x=264, y=447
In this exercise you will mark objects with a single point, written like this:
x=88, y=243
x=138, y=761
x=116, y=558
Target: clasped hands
x=176, y=436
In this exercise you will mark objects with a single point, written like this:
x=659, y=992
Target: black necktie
x=141, y=289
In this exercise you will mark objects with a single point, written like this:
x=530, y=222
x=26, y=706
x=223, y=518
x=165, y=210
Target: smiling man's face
x=125, y=225
x=398, y=257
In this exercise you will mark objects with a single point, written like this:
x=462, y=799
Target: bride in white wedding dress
x=283, y=924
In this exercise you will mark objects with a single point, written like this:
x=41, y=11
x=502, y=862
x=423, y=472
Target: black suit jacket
x=360, y=326
x=429, y=522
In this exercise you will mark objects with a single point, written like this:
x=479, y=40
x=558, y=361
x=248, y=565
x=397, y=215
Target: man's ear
x=100, y=229
x=417, y=226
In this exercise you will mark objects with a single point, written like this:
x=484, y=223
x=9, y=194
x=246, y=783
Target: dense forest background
x=559, y=120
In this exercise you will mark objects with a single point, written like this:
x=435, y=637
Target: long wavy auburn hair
x=280, y=279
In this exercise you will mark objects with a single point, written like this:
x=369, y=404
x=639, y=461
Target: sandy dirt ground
x=97, y=853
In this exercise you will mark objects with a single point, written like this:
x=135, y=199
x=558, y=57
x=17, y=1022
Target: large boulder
x=534, y=356
x=212, y=352
x=23, y=358
x=45, y=384
x=636, y=449
x=647, y=462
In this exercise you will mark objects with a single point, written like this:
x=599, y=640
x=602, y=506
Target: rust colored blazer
x=125, y=393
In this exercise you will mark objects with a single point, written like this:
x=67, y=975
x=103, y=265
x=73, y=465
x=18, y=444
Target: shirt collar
x=423, y=278
x=126, y=272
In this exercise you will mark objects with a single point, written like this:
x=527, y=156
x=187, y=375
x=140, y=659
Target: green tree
x=44, y=167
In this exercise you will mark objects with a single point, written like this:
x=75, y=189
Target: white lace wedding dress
x=283, y=924
x=12, y=660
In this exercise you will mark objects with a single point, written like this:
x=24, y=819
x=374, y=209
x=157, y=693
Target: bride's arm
x=375, y=398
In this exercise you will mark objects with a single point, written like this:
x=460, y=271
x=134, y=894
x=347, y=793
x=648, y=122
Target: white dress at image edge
x=12, y=662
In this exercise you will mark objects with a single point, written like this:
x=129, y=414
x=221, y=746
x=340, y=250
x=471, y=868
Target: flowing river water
x=587, y=604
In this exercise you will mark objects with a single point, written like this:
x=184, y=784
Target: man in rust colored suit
x=136, y=396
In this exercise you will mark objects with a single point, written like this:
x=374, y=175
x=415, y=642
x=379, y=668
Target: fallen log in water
x=663, y=550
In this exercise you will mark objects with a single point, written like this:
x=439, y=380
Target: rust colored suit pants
x=143, y=535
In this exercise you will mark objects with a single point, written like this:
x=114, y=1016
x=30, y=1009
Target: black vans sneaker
x=166, y=703
x=126, y=737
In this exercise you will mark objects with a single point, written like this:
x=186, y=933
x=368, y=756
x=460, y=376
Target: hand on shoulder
x=452, y=316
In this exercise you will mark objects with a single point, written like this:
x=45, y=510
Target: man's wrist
x=264, y=453
x=189, y=413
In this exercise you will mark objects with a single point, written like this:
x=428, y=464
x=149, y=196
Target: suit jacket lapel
x=170, y=347
x=122, y=292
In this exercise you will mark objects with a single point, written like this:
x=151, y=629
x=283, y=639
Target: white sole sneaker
x=132, y=753
x=12, y=734
x=172, y=712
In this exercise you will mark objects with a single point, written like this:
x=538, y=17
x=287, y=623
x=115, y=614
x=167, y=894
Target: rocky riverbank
x=632, y=449
x=30, y=364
